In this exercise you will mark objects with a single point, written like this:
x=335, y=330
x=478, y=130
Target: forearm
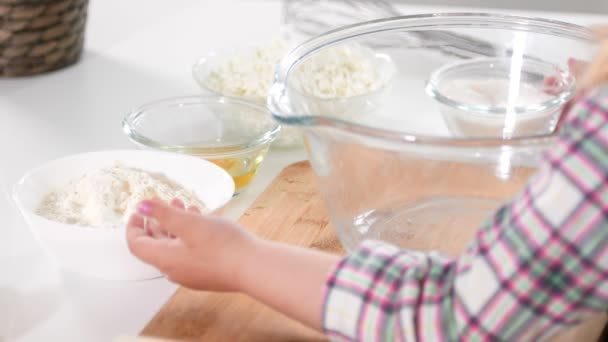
x=287, y=278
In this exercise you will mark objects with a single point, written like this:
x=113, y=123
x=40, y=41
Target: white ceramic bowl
x=103, y=252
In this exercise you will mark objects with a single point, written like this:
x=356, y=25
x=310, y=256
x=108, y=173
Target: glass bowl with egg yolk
x=232, y=133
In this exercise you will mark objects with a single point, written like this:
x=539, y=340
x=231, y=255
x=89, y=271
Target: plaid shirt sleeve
x=539, y=265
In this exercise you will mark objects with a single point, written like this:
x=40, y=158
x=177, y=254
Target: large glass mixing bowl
x=392, y=169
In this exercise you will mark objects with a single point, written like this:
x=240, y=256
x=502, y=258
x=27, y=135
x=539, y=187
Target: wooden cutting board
x=292, y=211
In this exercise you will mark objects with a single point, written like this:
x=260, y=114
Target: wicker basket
x=37, y=36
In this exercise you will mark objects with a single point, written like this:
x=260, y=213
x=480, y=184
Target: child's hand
x=554, y=87
x=197, y=251
x=205, y=252
x=577, y=69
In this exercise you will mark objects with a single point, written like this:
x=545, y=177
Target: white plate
x=103, y=252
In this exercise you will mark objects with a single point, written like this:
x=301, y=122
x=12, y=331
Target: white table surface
x=136, y=51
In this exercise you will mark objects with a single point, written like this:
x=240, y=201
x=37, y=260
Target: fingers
x=149, y=225
x=551, y=81
x=174, y=221
x=145, y=247
x=176, y=202
x=194, y=210
x=577, y=67
x=553, y=86
x=601, y=31
x=137, y=221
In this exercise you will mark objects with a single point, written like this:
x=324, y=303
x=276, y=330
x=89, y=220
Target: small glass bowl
x=289, y=137
x=230, y=133
x=486, y=97
x=204, y=66
x=345, y=107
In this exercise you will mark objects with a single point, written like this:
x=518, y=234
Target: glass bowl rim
x=277, y=97
x=259, y=141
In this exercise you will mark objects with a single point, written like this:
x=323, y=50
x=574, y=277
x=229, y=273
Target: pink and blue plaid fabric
x=538, y=266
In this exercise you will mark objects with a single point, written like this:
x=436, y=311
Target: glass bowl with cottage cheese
x=346, y=81
x=340, y=80
x=492, y=97
x=245, y=74
x=78, y=206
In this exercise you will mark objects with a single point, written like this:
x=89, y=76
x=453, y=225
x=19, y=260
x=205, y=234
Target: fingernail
x=145, y=208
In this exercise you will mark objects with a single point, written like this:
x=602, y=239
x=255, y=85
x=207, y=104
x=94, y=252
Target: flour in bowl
x=107, y=197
